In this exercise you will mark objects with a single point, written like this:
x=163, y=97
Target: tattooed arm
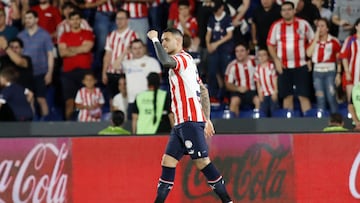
x=205, y=103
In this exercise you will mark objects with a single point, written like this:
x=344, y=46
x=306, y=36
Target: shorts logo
x=188, y=144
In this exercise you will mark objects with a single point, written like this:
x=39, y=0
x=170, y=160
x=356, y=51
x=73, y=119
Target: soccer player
x=190, y=104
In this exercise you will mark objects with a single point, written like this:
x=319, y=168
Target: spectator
x=324, y=51
x=290, y=61
x=116, y=46
x=136, y=71
x=117, y=120
x=65, y=26
x=174, y=11
x=152, y=112
x=12, y=13
x=307, y=11
x=324, y=12
x=220, y=46
x=263, y=17
x=157, y=10
x=49, y=17
x=15, y=59
x=345, y=15
x=187, y=24
x=89, y=100
x=239, y=80
x=237, y=10
x=120, y=101
x=39, y=47
x=266, y=82
x=15, y=97
x=104, y=23
x=9, y=32
x=75, y=49
x=354, y=106
x=351, y=59
x=336, y=123
x=138, y=16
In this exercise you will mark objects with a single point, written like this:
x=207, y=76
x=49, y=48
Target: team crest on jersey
x=300, y=31
x=188, y=144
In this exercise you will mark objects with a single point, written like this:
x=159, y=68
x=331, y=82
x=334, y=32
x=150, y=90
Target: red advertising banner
x=126, y=169
x=35, y=170
x=327, y=168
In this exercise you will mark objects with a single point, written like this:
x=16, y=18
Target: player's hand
x=209, y=129
x=152, y=34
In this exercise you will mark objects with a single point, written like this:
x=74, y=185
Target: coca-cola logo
x=352, y=177
x=258, y=174
x=39, y=177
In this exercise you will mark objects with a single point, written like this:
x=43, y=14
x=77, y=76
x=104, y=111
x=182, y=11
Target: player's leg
x=174, y=151
x=197, y=148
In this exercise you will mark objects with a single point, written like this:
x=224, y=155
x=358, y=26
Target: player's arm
x=163, y=57
x=205, y=100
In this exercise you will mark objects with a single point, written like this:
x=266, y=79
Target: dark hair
x=186, y=41
x=153, y=80
x=174, y=31
x=9, y=73
x=217, y=5
x=32, y=12
x=326, y=22
x=90, y=73
x=121, y=10
x=244, y=44
x=74, y=13
x=117, y=117
x=68, y=4
x=336, y=118
x=183, y=3
x=288, y=3
x=137, y=40
x=18, y=40
x=353, y=29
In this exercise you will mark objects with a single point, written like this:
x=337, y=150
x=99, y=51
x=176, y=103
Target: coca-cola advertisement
x=327, y=167
x=35, y=170
x=127, y=169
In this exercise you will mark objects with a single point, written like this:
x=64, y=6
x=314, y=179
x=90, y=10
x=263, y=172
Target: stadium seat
x=316, y=113
x=286, y=113
x=251, y=114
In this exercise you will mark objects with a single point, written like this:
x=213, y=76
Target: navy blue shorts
x=187, y=138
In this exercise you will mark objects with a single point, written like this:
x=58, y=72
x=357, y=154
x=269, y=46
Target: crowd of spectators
x=260, y=55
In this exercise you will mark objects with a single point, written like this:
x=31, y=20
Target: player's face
x=89, y=81
x=169, y=42
x=137, y=50
x=241, y=53
x=75, y=22
x=30, y=20
x=287, y=12
x=263, y=56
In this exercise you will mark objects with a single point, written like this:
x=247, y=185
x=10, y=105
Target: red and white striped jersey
x=117, y=43
x=326, y=52
x=191, y=25
x=185, y=90
x=241, y=74
x=89, y=98
x=109, y=6
x=136, y=9
x=290, y=40
x=351, y=51
x=64, y=26
x=265, y=75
